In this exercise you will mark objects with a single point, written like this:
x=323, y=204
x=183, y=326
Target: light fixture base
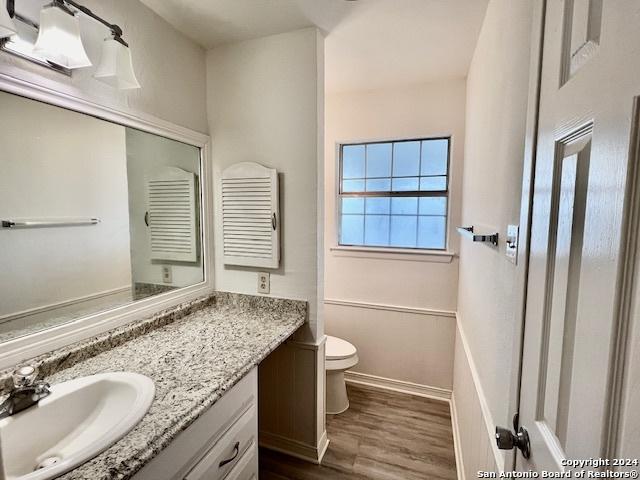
x=6, y=46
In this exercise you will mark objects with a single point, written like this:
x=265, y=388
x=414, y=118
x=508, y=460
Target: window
x=394, y=194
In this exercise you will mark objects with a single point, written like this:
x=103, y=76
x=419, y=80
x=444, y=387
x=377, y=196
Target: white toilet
x=340, y=355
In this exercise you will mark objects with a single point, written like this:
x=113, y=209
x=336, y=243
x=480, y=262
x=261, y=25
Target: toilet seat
x=339, y=354
x=338, y=349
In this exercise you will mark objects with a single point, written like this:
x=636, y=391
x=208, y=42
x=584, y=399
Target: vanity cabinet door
x=221, y=459
x=233, y=418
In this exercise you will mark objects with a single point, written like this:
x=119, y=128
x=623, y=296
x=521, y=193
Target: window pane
x=353, y=205
x=353, y=186
x=434, y=157
x=378, y=205
x=379, y=160
x=379, y=185
x=433, y=206
x=353, y=161
x=380, y=169
x=431, y=232
x=404, y=206
x=376, y=230
x=433, y=183
x=405, y=184
x=352, y=230
x=403, y=231
x=406, y=159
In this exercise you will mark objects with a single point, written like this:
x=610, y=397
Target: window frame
x=340, y=194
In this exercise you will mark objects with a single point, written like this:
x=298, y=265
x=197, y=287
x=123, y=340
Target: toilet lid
x=338, y=349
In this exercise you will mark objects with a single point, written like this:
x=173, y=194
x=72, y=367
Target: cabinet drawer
x=247, y=466
x=221, y=459
x=196, y=442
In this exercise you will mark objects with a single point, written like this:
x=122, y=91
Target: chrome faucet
x=26, y=392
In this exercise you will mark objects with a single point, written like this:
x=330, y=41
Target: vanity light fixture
x=59, y=38
x=116, y=66
x=7, y=27
x=59, y=44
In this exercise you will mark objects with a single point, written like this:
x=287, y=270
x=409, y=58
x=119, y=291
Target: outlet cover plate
x=511, y=250
x=264, y=282
x=167, y=276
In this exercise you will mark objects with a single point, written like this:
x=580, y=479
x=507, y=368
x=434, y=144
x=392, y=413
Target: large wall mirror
x=95, y=215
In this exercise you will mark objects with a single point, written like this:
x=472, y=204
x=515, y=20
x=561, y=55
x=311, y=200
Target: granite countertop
x=194, y=353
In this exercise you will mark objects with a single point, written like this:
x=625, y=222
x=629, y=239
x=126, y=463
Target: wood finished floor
x=383, y=436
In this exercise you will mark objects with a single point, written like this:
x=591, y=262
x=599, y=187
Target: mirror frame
x=31, y=345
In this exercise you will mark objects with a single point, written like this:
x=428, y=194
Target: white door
x=589, y=86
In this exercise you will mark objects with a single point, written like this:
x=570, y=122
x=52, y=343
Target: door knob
x=519, y=438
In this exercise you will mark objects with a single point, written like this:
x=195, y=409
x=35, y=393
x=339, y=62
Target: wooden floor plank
x=383, y=436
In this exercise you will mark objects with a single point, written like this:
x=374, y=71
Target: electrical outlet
x=263, y=282
x=167, y=276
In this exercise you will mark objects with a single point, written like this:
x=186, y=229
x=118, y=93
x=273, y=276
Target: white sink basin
x=77, y=421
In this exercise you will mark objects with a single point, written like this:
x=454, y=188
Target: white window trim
x=31, y=345
x=392, y=253
x=365, y=251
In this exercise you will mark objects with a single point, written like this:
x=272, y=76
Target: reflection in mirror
x=94, y=215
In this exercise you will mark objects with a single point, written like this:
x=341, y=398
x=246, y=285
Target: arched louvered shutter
x=171, y=196
x=250, y=213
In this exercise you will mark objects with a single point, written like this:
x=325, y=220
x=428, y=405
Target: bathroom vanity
x=222, y=443
x=107, y=223
x=202, y=357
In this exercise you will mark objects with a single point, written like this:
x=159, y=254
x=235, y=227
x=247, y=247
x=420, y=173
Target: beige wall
x=497, y=90
x=414, y=347
x=400, y=345
x=263, y=107
x=265, y=100
x=169, y=66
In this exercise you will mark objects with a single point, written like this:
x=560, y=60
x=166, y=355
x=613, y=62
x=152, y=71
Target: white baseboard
x=401, y=386
x=323, y=445
x=303, y=451
x=457, y=446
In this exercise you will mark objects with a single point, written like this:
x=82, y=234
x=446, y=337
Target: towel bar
x=71, y=222
x=468, y=232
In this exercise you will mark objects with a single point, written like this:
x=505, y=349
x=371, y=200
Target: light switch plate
x=264, y=282
x=512, y=243
x=167, y=276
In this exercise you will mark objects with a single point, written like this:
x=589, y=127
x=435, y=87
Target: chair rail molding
x=391, y=308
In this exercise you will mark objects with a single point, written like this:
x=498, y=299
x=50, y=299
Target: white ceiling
x=370, y=43
x=215, y=22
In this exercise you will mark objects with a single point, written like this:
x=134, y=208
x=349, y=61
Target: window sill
x=433, y=256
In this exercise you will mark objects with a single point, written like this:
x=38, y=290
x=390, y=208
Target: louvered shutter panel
x=251, y=222
x=171, y=195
